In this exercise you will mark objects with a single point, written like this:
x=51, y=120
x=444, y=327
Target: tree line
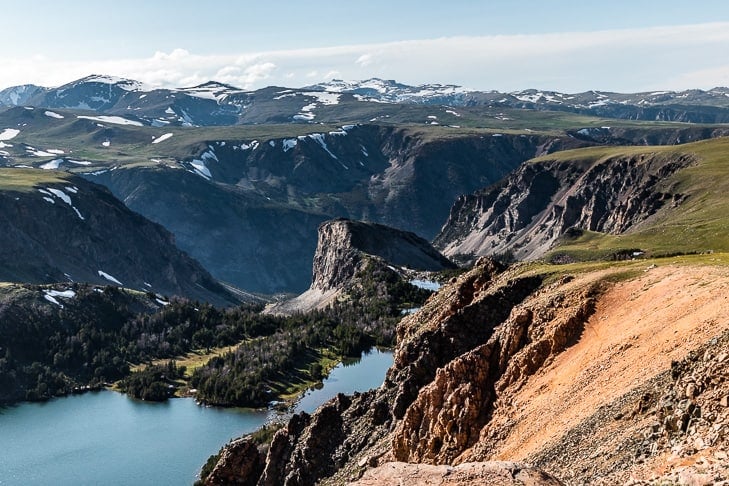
x=50, y=350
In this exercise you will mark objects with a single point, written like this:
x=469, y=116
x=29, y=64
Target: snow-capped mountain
x=18, y=95
x=339, y=101
x=390, y=91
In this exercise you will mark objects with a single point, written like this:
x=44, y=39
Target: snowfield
x=115, y=120
x=162, y=138
x=9, y=133
x=109, y=277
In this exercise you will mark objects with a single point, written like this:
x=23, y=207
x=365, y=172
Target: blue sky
x=569, y=46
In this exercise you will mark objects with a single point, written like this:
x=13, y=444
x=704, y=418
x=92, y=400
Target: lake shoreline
x=106, y=437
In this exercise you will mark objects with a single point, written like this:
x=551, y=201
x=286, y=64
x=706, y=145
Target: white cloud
x=258, y=72
x=364, y=60
x=332, y=75
x=675, y=57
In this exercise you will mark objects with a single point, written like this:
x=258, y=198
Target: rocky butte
x=345, y=248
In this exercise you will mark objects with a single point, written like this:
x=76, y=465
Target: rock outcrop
x=529, y=211
x=240, y=463
x=346, y=247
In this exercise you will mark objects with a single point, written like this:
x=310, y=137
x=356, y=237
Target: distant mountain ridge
x=214, y=103
x=61, y=228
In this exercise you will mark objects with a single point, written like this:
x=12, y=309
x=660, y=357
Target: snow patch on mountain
x=201, y=169
x=9, y=133
x=306, y=113
x=41, y=153
x=319, y=138
x=287, y=94
x=323, y=97
x=162, y=138
x=50, y=295
x=52, y=165
x=388, y=91
x=115, y=120
x=65, y=198
x=289, y=143
x=210, y=91
x=53, y=114
x=109, y=277
x=249, y=146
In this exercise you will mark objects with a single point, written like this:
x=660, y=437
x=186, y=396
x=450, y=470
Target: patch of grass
x=191, y=361
x=26, y=180
x=617, y=271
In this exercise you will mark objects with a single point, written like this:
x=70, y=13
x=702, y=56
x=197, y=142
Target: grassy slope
x=698, y=224
x=25, y=180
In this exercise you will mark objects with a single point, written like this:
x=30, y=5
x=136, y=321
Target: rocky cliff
x=345, y=248
x=530, y=210
x=528, y=365
x=57, y=227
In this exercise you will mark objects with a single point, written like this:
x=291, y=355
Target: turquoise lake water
x=105, y=438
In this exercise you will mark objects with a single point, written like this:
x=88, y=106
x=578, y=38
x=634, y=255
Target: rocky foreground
x=609, y=376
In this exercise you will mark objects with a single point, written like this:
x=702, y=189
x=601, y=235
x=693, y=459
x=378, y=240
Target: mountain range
x=218, y=104
x=374, y=150
x=586, y=333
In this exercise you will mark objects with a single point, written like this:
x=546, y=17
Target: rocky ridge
x=345, y=248
x=503, y=365
x=527, y=213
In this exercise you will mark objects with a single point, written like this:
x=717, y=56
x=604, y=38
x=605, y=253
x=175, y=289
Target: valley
x=235, y=245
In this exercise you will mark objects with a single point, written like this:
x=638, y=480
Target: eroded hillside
x=598, y=202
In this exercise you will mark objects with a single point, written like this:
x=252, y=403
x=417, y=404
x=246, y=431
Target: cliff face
x=341, y=241
x=573, y=375
x=66, y=228
x=532, y=208
x=345, y=248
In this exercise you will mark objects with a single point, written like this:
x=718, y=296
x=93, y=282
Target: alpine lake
x=106, y=438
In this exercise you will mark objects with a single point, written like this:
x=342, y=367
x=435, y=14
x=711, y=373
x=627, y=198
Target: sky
x=506, y=45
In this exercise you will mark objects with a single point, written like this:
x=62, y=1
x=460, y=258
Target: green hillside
x=700, y=223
